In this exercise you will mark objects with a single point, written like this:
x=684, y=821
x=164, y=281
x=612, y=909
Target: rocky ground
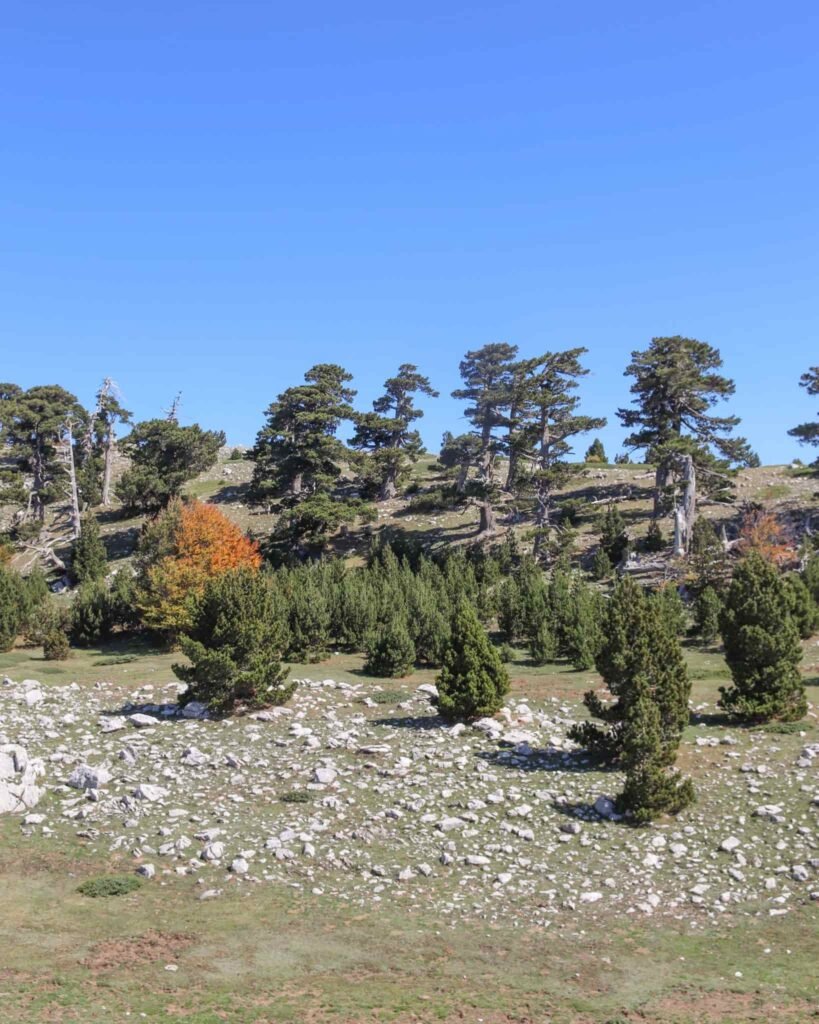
x=362, y=794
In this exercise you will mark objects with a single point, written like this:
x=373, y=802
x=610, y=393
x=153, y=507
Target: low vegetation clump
x=109, y=885
x=296, y=796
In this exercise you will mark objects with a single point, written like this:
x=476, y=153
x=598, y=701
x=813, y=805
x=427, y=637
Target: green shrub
x=390, y=650
x=89, y=558
x=109, y=885
x=92, y=619
x=55, y=646
x=473, y=680
x=762, y=646
x=235, y=645
x=296, y=796
x=707, y=608
x=11, y=616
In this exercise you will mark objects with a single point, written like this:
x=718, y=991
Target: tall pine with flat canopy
x=676, y=385
x=297, y=452
x=473, y=679
x=762, y=646
x=487, y=374
x=386, y=434
x=548, y=421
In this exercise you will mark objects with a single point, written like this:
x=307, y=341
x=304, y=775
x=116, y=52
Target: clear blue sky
x=214, y=196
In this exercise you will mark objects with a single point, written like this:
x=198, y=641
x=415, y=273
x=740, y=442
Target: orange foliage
x=762, y=532
x=211, y=544
x=206, y=543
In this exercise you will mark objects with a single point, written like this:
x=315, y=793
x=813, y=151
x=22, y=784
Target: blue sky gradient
x=211, y=197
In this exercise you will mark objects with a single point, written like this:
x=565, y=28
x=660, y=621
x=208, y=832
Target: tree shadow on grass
x=420, y=723
x=577, y=761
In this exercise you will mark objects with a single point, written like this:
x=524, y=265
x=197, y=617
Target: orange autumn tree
x=189, y=544
x=761, y=531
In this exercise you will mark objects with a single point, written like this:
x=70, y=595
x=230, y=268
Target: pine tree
x=33, y=432
x=803, y=608
x=92, y=615
x=510, y=609
x=108, y=414
x=473, y=680
x=487, y=377
x=235, y=644
x=11, y=616
x=308, y=612
x=583, y=632
x=808, y=433
x=707, y=608
x=89, y=559
x=672, y=608
x=457, y=456
x=549, y=422
x=613, y=537
x=297, y=452
x=596, y=452
x=56, y=646
x=542, y=643
x=390, y=650
x=761, y=646
x=601, y=568
x=385, y=434
x=675, y=387
x=164, y=457
x=650, y=788
x=637, y=649
x=708, y=558
x=654, y=540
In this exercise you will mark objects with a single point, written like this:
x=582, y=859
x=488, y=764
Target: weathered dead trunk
x=685, y=513
x=108, y=464
x=38, y=469
x=297, y=485
x=460, y=481
x=73, y=491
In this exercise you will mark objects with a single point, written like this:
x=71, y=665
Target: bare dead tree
x=172, y=414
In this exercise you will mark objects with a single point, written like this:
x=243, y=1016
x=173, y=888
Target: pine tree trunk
x=660, y=484
x=512, y=470
x=38, y=483
x=73, y=493
x=388, y=488
x=297, y=485
x=460, y=481
x=686, y=512
x=487, y=524
x=108, y=465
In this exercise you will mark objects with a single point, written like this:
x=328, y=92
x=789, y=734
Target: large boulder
x=86, y=777
x=19, y=791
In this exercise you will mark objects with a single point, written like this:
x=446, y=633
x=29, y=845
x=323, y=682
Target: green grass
x=278, y=955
